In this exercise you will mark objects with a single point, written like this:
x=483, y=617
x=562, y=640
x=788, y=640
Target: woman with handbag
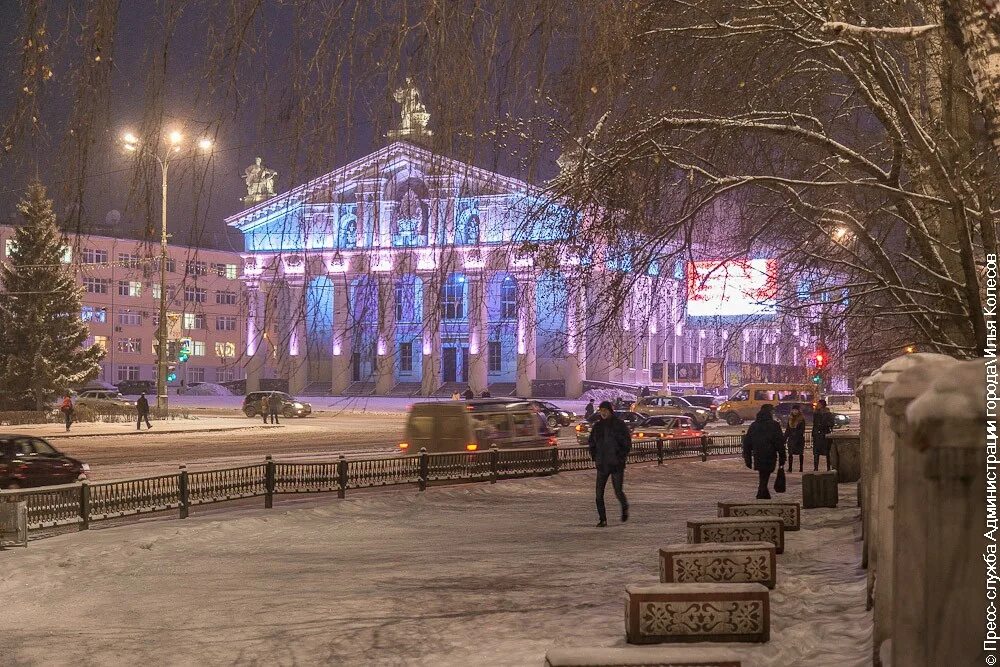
x=763, y=447
x=795, y=436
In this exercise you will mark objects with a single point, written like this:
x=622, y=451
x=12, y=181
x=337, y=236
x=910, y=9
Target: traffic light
x=817, y=378
x=185, y=350
x=820, y=360
x=171, y=373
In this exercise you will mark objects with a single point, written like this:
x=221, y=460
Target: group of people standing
x=764, y=442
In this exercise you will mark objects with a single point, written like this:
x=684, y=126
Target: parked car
x=136, y=387
x=27, y=461
x=583, y=428
x=783, y=410
x=290, y=406
x=666, y=428
x=103, y=398
x=452, y=426
x=745, y=403
x=554, y=415
x=671, y=406
x=707, y=401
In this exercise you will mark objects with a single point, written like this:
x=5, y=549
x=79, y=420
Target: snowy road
x=461, y=575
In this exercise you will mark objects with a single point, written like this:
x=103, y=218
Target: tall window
x=225, y=298
x=198, y=348
x=348, y=232
x=99, y=341
x=508, y=299
x=193, y=321
x=494, y=356
x=453, y=298
x=406, y=357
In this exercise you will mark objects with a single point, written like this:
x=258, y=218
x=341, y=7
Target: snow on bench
x=665, y=613
x=819, y=489
x=738, y=529
x=789, y=512
x=717, y=562
x=648, y=656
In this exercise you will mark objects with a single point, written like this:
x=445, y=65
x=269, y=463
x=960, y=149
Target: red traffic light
x=820, y=358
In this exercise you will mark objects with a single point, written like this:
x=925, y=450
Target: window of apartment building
x=171, y=291
x=129, y=319
x=67, y=255
x=508, y=299
x=197, y=348
x=225, y=298
x=96, y=285
x=128, y=260
x=494, y=351
x=195, y=294
x=225, y=350
x=93, y=256
x=225, y=323
x=225, y=270
x=100, y=341
x=129, y=288
x=128, y=373
x=93, y=314
x=195, y=268
x=231, y=271
x=130, y=345
x=196, y=375
x=171, y=265
x=8, y=247
x=224, y=374
x=406, y=357
x=453, y=298
x=193, y=321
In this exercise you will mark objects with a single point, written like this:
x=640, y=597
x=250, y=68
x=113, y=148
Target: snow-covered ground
x=458, y=575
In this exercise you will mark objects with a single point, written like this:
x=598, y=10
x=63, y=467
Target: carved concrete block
x=717, y=562
x=738, y=529
x=664, y=613
x=790, y=513
x=819, y=489
x=647, y=656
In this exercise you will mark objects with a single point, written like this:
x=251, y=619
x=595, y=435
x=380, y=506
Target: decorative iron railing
x=85, y=502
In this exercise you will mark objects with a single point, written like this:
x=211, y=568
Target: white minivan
x=469, y=426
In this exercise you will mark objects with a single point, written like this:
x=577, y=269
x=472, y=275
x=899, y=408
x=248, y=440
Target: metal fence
x=85, y=502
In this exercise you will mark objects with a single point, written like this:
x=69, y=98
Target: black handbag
x=779, y=481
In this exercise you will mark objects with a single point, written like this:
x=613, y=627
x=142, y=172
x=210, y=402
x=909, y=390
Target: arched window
x=453, y=297
x=508, y=299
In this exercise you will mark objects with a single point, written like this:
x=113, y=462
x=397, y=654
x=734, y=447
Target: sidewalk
x=95, y=429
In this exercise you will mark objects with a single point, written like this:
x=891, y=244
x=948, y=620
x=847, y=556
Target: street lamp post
x=132, y=144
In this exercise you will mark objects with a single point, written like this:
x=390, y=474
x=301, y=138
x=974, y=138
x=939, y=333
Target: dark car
x=706, y=401
x=27, y=461
x=554, y=415
x=136, y=387
x=631, y=419
x=290, y=406
x=782, y=410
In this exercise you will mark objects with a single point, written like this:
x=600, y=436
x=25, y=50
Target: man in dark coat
x=764, y=448
x=589, y=411
x=610, y=443
x=142, y=412
x=469, y=394
x=274, y=407
x=822, y=425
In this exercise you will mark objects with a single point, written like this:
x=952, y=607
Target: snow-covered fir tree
x=41, y=335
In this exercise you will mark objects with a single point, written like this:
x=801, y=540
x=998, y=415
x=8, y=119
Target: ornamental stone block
x=738, y=529
x=789, y=513
x=819, y=489
x=647, y=656
x=717, y=562
x=664, y=613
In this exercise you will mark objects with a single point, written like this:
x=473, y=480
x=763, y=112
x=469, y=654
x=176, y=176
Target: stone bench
x=664, y=613
x=721, y=563
x=738, y=529
x=819, y=489
x=649, y=656
x=789, y=512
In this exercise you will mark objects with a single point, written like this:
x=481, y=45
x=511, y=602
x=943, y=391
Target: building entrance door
x=449, y=364
x=356, y=367
x=465, y=364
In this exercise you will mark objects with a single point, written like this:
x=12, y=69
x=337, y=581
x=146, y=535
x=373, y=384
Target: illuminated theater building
x=397, y=274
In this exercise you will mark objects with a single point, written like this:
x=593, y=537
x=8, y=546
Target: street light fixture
x=132, y=144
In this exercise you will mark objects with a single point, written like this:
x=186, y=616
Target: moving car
x=453, y=426
x=103, y=398
x=290, y=406
x=584, y=427
x=666, y=428
x=783, y=410
x=27, y=461
x=707, y=401
x=554, y=415
x=671, y=406
x=136, y=387
x=745, y=403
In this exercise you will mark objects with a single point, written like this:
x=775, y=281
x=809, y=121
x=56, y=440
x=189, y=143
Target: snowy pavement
x=198, y=424
x=474, y=574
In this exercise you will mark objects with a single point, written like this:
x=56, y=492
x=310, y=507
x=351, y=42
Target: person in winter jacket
x=822, y=425
x=274, y=407
x=795, y=436
x=763, y=447
x=265, y=407
x=589, y=410
x=610, y=443
x=469, y=394
x=142, y=412
x=67, y=409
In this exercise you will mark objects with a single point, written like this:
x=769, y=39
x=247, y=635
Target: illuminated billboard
x=736, y=288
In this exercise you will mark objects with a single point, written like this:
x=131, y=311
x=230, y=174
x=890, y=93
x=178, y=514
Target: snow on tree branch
x=911, y=32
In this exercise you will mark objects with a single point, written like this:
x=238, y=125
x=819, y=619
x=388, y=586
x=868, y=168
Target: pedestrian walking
x=609, y=444
x=142, y=412
x=822, y=425
x=763, y=448
x=469, y=394
x=588, y=411
x=795, y=436
x=265, y=407
x=644, y=393
x=67, y=409
x=455, y=396
x=274, y=407
x=486, y=394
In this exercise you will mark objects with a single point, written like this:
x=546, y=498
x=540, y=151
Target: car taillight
x=404, y=445
x=471, y=447
x=642, y=435
x=553, y=441
x=579, y=428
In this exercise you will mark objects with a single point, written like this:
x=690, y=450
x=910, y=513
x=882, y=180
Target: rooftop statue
x=260, y=181
x=413, y=113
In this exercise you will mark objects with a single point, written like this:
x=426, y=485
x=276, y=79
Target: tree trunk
x=979, y=35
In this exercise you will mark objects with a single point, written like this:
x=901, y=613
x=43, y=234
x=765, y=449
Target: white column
x=430, y=371
x=526, y=337
x=385, y=345
x=478, y=375
x=576, y=343
x=342, y=343
x=296, y=358
x=255, y=350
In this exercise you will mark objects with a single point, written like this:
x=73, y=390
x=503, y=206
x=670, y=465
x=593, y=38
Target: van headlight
x=297, y=406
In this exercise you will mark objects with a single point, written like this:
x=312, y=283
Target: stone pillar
x=385, y=346
x=911, y=560
x=526, y=337
x=576, y=342
x=342, y=341
x=297, y=358
x=430, y=378
x=256, y=346
x=478, y=327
